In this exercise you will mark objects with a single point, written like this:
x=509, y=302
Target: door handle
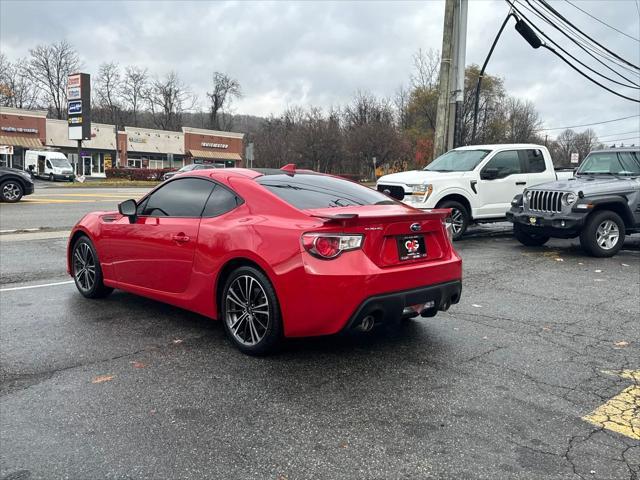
x=521, y=183
x=180, y=238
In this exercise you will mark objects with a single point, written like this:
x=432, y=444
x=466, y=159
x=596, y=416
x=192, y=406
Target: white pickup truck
x=477, y=183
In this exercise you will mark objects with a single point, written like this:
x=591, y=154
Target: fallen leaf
x=102, y=378
x=344, y=445
x=485, y=338
x=476, y=305
x=598, y=271
x=138, y=364
x=178, y=340
x=598, y=279
x=580, y=263
x=621, y=344
x=559, y=260
x=624, y=264
x=546, y=329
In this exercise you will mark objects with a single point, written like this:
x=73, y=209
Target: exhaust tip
x=367, y=323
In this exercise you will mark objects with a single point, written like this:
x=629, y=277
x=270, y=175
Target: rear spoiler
x=347, y=218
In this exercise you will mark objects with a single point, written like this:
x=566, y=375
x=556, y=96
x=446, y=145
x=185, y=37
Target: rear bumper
x=389, y=307
x=552, y=225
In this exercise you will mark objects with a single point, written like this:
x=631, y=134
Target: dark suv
x=601, y=204
x=14, y=184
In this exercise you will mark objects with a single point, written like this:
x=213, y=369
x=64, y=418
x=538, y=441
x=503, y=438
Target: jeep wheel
x=603, y=234
x=460, y=217
x=527, y=238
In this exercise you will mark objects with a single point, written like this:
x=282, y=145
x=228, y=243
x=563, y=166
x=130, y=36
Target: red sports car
x=273, y=253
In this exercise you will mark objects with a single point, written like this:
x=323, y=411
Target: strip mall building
x=22, y=130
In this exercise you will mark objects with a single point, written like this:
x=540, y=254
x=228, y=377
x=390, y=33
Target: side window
x=502, y=165
x=221, y=201
x=183, y=197
x=48, y=164
x=534, y=161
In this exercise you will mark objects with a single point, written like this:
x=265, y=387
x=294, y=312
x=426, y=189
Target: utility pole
x=451, y=83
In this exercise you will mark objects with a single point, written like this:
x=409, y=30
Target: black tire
x=527, y=238
x=11, y=191
x=90, y=286
x=460, y=217
x=266, y=330
x=593, y=238
x=52, y=178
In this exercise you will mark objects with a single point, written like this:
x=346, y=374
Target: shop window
x=134, y=163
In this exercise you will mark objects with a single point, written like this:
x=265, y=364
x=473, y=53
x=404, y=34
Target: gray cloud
x=320, y=53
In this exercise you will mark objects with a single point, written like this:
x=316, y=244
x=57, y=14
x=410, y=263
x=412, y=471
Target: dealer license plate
x=411, y=247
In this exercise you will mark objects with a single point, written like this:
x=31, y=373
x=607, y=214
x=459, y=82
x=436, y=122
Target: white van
x=48, y=164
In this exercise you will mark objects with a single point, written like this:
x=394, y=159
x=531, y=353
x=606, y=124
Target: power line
x=541, y=15
x=564, y=19
x=584, y=45
x=619, y=139
x=603, y=22
x=619, y=133
x=552, y=50
x=588, y=124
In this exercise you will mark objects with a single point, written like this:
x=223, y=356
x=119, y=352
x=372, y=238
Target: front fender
x=438, y=195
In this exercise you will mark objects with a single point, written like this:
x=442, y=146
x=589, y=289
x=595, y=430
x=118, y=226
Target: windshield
x=457, y=161
x=60, y=162
x=610, y=163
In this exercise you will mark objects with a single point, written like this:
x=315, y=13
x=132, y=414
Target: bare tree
x=426, y=68
x=17, y=88
x=522, y=121
x=168, y=98
x=586, y=141
x=108, y=91
x=135, y=84
x=225, y=89
x=49, y=67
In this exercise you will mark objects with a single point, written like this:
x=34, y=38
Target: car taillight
x=330, y=245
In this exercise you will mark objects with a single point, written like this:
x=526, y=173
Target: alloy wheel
x=11, y=191
x=247, y=310
x=607, y=234
x=84, y=266
x=457, y=221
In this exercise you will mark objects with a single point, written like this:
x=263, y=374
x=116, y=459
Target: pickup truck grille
x=543, y=201
x=394, y=191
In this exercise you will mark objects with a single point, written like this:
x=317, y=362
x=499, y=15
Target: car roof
x=500, y=146
x=616, y=149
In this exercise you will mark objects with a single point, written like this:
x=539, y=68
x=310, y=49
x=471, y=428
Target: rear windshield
x=305, y=191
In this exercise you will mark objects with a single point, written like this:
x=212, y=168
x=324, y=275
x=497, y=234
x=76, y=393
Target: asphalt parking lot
x=517, y=381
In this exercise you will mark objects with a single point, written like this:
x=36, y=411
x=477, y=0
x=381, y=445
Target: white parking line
x=11, y=289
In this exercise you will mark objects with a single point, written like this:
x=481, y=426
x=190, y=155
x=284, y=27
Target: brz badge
x=415, y=227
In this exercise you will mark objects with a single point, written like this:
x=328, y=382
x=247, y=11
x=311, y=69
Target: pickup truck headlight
x=569, y=199
x=423, y=189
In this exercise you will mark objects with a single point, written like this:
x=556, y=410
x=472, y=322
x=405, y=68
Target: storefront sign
x=74, y=80
x=79, y=106
x=214, y=145
x=19, y=130
x=6, y=149
x=137, y=140
x=74, y=93
x=107, y=160
x=75, y=107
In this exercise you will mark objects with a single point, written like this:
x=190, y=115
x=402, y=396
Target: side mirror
x=129, y=208
x=489, y=174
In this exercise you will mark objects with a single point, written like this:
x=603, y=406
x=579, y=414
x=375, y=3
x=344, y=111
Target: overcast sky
x=320, y=53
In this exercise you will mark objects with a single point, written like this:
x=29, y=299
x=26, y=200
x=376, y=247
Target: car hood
x=419, y=176
x=594, y=184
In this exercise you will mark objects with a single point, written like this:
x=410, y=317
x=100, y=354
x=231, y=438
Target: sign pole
x=77, y=159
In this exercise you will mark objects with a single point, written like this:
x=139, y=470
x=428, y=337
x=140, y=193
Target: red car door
x=156, y=252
